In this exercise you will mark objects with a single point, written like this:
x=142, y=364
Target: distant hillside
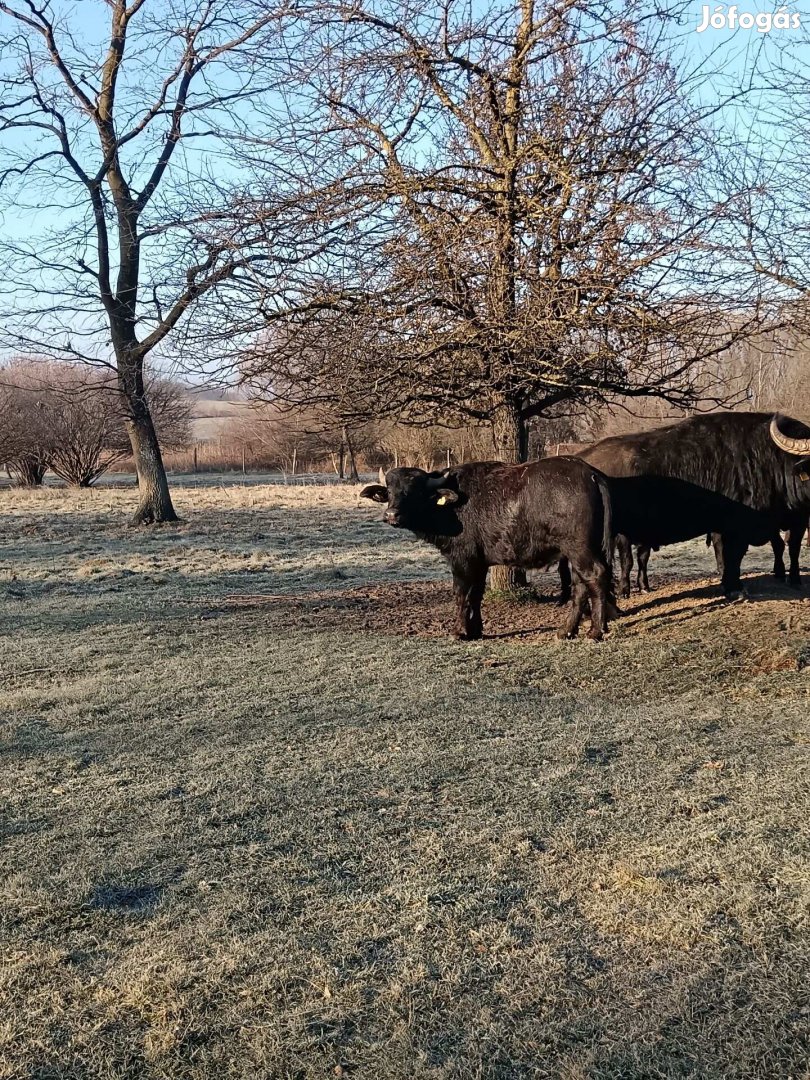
x=210, y=417
x=213, y=393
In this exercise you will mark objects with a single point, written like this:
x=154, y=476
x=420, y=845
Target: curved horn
x=382, y=476
x=790, y=446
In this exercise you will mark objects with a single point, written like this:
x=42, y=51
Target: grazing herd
x=740, y=479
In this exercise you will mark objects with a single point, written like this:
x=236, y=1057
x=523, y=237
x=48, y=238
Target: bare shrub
x=71, y=419
x=25, y=426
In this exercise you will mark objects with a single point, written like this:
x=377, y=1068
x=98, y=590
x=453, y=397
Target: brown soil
x=771, y=617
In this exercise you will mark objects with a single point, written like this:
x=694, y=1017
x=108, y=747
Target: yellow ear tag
x=804, y=476
x=441, y=501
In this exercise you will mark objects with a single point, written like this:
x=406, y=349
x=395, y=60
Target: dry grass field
x=261, y=818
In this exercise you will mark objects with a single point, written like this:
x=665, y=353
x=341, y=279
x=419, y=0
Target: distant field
x=261, y=817
x=212, y=418
x=234, y=478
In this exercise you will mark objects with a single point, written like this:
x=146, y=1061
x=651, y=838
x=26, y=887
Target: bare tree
x=111, y=149
x=88, y=431
x=317, y=372
x=537, y=237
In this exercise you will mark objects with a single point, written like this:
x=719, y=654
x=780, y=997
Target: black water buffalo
x=748, y=473
x=624, y=551
x=794, y=534
x=488, y=514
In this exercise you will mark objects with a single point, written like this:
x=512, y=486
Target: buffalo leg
x=468, y=588
x=565, y=580
x=598, y=582
x=643, y=556
x=716, y=540
x=730, y=551
x=570, y=627
x=592, y=582
x=778, y=545
x=794, y=540
x=625, y=550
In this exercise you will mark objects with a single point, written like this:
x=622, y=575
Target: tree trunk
x=155, y=504
x=354, y=476
x=29, y=471
x=511, y=434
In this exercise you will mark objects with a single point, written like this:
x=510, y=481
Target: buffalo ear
x=446, y=497
x=802, y=469
x=375, y=492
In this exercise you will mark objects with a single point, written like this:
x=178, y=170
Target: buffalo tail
x=607, y=519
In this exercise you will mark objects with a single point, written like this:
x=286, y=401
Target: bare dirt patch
x=425, y=609
x=768, y=632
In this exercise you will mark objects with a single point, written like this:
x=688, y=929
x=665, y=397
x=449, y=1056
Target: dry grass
x=261, y=818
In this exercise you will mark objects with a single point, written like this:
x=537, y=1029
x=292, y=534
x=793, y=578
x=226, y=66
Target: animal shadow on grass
x=525, y=631
x=761, y=589
x=126, y=898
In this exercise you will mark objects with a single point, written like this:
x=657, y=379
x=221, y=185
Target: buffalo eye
x=375, y=492
x=446, y=497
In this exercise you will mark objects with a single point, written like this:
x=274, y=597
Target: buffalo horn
x=790, y=446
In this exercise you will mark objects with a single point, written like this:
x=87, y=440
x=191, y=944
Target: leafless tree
x=536, y=238
x=532, y=237
x=319, y=376
x=88, y=432
x=124, y=221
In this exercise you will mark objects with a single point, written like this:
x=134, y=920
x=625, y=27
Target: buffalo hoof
x=595, y=635
x=469, y=635
x=565, y=598
x=564, y=634
x=780, y=575
x=734, y=596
